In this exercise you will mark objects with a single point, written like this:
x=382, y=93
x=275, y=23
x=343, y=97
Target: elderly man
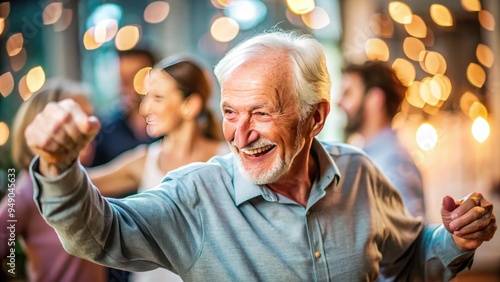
x=282, y=206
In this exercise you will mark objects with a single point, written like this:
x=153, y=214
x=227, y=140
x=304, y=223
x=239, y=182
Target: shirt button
x=317, y=255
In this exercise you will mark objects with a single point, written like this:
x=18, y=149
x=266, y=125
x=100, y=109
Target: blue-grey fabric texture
x=206, y=222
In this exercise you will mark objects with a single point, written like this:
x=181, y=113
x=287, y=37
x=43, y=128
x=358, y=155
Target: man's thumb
x=93, y=126
x=449, y=204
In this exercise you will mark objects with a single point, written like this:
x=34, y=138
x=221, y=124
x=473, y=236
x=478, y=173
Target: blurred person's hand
x=59, y=133
x=470, y=220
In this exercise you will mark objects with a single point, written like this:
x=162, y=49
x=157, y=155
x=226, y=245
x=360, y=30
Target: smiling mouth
x=258, y=151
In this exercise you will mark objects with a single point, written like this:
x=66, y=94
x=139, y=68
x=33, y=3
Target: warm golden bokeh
x=476, y=75
x=224, y=29
x=405, y=71
x=413, y=95
x=23, y=89
x=412, y=48
x=4, y=10
x=35, y=79
x=14, y=44
x=156, y=12
x=316, y=19
x=400, y=12
x=426, y=137
x=2, y=25
x=466, y=102
x=441, y=15
x=105, y=30
x=300, y=7
x=6, y=84
x=477, y=109
x=480, y=129
x=18, y=61
x=65, y=20
x=127, y=37
x=89, y=40
x=140, y=79
x=4, y=133
x=485, y=55
x=377, y=50
x=486, y=20
x=417, y=27
x=426, y=92
x=471, y=5
x=52, y=13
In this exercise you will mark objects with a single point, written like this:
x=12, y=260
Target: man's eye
x=227, y=112
x=261, y=113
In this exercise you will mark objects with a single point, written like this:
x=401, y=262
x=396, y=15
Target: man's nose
x=245, y=133
x=143, y=107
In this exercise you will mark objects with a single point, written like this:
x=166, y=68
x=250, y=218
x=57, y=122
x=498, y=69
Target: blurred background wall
x=445, y=51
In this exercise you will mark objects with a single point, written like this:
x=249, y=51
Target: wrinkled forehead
x=272, y=70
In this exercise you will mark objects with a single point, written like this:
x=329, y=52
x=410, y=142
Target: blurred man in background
x=372, y=95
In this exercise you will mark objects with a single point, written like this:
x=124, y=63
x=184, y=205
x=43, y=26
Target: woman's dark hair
x=192, y=78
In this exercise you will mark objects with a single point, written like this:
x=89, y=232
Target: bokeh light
x=301, y=6
x=477, y=109
x=441, y=15
x=23, y=89
x=413, y=95
x=476, y=75
x=140, y=77
x=14, y=44
x=156, y=12
x=480, y=129
x=4, y=10
x=65, y=20
x=417, y=27
x=4, y=133
x=316, y=19
x=89, y=41
x=52, y=13
x=127, y=37
x=224, y=29
x=377, y=50
x=105, y=30
x=2, y=25
x=471, y=5
x=18, y=61
x=426, y=137
x=400, y=12
x=466, y=102
x=6, y=84
x=35, y=79
x=412, y=48
x=485, y=55
x=486, y=20
x=404, y=70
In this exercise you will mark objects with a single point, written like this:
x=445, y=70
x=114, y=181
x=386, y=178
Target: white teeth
x=257, y=150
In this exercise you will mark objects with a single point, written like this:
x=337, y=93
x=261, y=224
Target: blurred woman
x=175, y=107
x=46, y=258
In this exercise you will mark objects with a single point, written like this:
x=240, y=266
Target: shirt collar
x=245, y=189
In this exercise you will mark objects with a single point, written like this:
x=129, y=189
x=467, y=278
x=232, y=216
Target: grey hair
x=312, y=81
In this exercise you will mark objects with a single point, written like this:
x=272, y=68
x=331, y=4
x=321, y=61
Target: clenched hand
x=59, y=133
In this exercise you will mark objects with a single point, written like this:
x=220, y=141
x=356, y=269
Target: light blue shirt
x=206, y=222
x=385, y=150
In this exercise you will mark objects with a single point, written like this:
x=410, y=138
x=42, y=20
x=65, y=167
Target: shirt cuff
x=451, y=254
x=61, y=185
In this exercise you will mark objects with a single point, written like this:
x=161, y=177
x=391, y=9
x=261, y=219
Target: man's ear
x=319, y=116
x=192, y=106
x=375, y=100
